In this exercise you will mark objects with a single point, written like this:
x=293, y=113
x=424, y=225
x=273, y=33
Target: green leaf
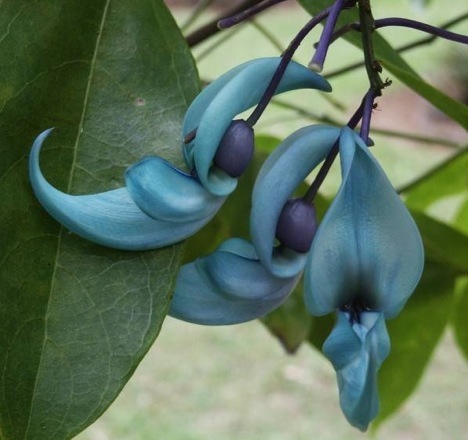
x=395, y=64
x=442, y=243
x=452, y=108
x=461, y=218
x=291, y=322
x=447, y=179
x=114, y=78
x=460, y=312
x=414, y=334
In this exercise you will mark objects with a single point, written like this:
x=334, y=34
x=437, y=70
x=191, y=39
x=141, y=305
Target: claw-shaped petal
x=165, y=193
x=279, y=176
x=113, y=219
x=367, y=248
x=356, y=350
x=215, y=107
x=229, y=286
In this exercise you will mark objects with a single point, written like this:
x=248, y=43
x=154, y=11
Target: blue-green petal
x=166, y=193
x=357, y=350
x=367, y=247
x=279, y=176
x=213, y=110
x=110, y=218
x=229, y=286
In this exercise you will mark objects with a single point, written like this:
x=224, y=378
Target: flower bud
x=236, y=148
x=297, y=225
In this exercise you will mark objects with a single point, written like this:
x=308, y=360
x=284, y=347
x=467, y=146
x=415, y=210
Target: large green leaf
x=414, y=334
x=460, y=312
x=114, y=78
x=448, y=179
x=396, y=65
x=442, y=243
x=290, y=323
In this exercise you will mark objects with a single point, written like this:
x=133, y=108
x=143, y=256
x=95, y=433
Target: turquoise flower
x=365, y=261
x=240, y=281
x=213, y=110
x=148, y=213
x=229, y=286
x=283, y=171
x=160, y=204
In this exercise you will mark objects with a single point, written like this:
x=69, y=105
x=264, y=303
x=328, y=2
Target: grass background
x=202, y=383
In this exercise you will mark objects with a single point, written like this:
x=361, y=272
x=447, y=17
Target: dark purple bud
x=297, y=225
x=236, y=148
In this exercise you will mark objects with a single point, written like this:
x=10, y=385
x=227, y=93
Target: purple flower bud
x=236, y=148
x=297, y=225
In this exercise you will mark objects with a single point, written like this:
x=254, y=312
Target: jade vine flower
x=229, y=286
x=240, y=281
x=160, y=204
x=365, y=261
x=279, y=176
x=148, y=213
x=213, y=110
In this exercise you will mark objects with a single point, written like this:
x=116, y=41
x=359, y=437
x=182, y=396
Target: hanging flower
x=212, y=112
x=283, y=171
x=229, y=286
x=366, y=259
x=160, y=204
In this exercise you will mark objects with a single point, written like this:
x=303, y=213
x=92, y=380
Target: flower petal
x=357, y=351
x=213, y=110
x=229, y=286
x=367, y=247
x=110, y=218
x=165, y=193
x=279, y=176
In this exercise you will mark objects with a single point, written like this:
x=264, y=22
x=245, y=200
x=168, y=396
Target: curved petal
x=229, y=286
x=357, y=350
x=165, y=193
x=214, y=109
x=281, y=173
x=110, y=218
x=367, y=247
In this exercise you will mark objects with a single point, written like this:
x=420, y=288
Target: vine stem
x=311, y=193
x=285, y=59
x=228, y=22
x=405, y=47
x=211, y=28
x=373, y=67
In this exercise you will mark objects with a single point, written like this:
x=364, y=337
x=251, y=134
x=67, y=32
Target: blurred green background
x=201, y=383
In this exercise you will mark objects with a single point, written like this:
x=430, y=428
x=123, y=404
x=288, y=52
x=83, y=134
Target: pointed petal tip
x=218, y=104
x=111, y=219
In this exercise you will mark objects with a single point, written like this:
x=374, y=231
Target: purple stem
x=324, y=42
x=228, y=22
x=413, y=24
x=368, y=105
x=285, y=59
x=309, y=196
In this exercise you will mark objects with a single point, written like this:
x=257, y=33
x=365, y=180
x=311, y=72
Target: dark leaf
x=114, y=78
x=442, y=243
x=414, y=334
x=291, y=322
x=460, y=312
x=448, y=179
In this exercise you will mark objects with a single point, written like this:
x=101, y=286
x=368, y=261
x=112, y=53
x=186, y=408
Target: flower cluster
x=361, y=262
